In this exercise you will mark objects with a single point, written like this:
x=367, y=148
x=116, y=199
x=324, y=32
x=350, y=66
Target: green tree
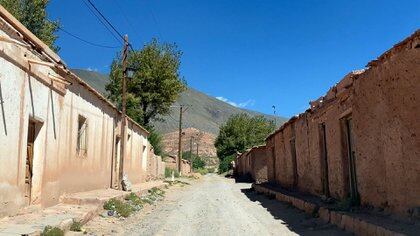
x=155, y=85
x=155, y=140
x=240, y=132
x=197, y=161
x=33, y=15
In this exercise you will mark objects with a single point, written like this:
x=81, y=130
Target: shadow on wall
x=295, y=219
x=3, y=115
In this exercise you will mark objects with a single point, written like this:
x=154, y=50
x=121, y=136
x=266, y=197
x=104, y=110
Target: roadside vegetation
x=52, y=231
x=132, y=203
x=168, y=172
x=239, y=133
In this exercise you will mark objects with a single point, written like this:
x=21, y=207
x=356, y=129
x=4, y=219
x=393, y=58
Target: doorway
x=33, y=130
x=354, y=193
x=324, y=160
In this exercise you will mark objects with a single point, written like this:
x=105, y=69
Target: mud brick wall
x=270, y=160
x=186, y=168
x=386, y=112
x=382, y=103
x=258, y=164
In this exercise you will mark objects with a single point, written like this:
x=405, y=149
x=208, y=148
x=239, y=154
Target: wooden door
x=354, y=193
x=29, y=161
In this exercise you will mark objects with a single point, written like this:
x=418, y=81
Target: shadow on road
x=295, y=219
x=244, y=179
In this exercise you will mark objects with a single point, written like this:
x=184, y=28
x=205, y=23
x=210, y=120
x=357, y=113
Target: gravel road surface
x=216, y=205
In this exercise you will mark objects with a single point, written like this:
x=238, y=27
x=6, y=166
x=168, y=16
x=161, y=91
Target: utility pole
x=197, y=148
x=124, y=115
x=180, y=140
x=191, y=147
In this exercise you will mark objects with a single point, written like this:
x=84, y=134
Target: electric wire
x=101, y=21
x=108, y=22
x=86, y=41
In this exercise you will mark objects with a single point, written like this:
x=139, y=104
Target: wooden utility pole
x=191, y=146
x=124, y=115
x=197, y=148
x=180, y=140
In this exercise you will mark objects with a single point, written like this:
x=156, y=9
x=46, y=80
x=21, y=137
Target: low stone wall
x=357, y=224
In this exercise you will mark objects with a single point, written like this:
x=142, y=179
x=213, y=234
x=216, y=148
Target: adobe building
x=253, y=162
x=57, y=134
x=361, y=140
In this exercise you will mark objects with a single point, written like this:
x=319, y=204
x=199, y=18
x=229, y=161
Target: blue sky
x=252, y=54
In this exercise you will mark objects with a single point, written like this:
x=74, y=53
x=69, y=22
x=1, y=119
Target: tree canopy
x=33, y=15
x=155, y=85
x=239, y=133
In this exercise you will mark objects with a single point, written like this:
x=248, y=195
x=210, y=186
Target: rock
x=126, y=184
x=111, y=213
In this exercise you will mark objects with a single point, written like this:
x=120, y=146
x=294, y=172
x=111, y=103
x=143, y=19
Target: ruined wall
x=283, y=160
x=258, y=164
x=160, y=168
x=186, y=168
x=381, y=103
x=170, y=162
x=387, y=128
x=270, y=159
x=307, y=164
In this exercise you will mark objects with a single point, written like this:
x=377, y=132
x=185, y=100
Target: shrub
x=122, y=208
x=76, y=226
x=202, y=171
x=52, y=231
x=134, y=200
x=168, y=172
x=225, y=164
x=211, y=170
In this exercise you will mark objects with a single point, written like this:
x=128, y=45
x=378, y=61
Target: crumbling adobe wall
x=283, y=158
x=383, y=104
x=258, y=164
x=307, y=165
x=186, y=168
x=387, y=128
x=269, y=150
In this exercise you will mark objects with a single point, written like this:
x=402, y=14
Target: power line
x=101, y=21
x=85, y=41
x=124, y=15
x=109, y=23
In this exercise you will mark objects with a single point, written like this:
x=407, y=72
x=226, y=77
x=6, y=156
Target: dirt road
x=218, y=206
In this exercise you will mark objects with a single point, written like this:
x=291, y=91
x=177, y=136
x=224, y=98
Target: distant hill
x=205, y=112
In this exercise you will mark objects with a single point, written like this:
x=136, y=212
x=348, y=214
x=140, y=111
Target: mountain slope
x=204, y=112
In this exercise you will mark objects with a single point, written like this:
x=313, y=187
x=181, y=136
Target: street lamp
x=130, y=72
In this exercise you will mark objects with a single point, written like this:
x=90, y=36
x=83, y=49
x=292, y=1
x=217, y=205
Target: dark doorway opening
x=354, y=193
x=324, y=160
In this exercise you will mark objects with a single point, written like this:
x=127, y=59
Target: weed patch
x=52, y=231
x=76, y=226
x=121, y=208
